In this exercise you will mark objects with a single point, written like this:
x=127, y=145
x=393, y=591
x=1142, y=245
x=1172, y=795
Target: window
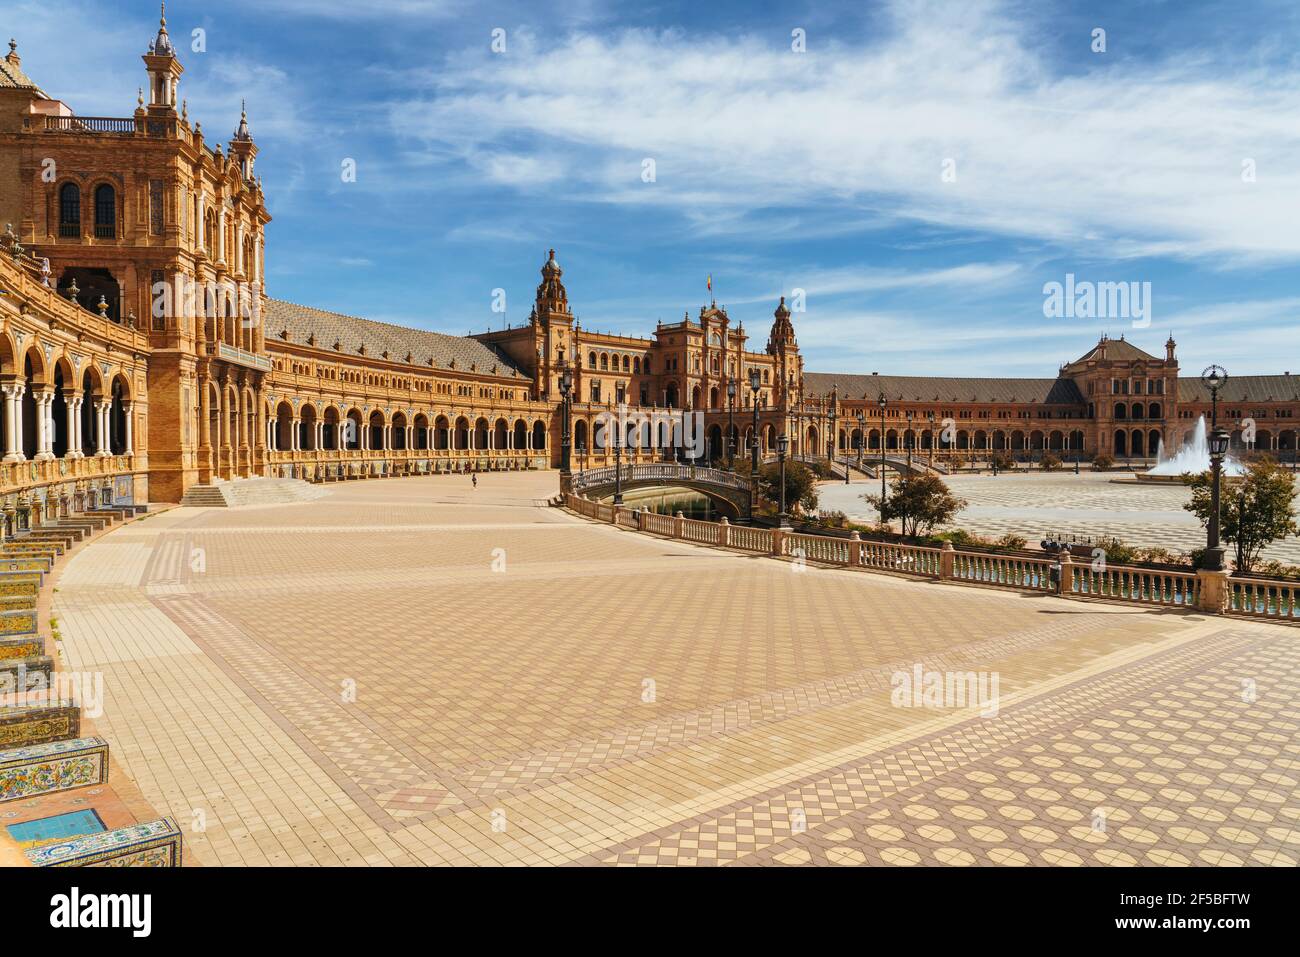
x=70, y=210
x=105, y=212
x=156, y=207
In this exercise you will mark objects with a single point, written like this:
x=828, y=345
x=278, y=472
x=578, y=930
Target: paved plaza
x=1086, y=505
x=416, y=671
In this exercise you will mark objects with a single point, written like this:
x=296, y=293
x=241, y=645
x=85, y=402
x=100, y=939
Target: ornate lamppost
x=835, y=398
x=731, y=424
x=910, y=440
x=882, y=402
x=782, y=445
x=1214, y=377
x=618, y=464
x=755, y=381
x=566, y=388
x=862, y=437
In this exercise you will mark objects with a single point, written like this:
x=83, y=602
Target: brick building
x=141, y=353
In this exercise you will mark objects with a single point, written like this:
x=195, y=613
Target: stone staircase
x=254, y=491
x=43, y=748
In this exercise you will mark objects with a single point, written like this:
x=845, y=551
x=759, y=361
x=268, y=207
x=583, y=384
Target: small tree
x=919, y=502
x=1003, y=461
x=1049, y=462
x=1103, y=461
x=800, y=485
x=1253, y=514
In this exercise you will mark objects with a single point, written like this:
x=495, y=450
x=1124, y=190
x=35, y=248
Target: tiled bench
x=25, y=563
x=56, y=766
x=153, y=844
x=22, y=646
x=25, y=674
x=17, y=621
x=28, y=726
x=21, y=584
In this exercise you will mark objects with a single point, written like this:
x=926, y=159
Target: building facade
x=141, y=354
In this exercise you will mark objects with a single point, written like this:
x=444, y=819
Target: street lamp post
x=862, y=437
x=910, y=440
x=731, y=424
x=618, y=465
x=882, y=402
x=1214, y=377
x=782, y=445
x=834, y=437
x=754, y=382
x=566, y=448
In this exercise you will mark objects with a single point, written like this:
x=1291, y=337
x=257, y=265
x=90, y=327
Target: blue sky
x=775, y=170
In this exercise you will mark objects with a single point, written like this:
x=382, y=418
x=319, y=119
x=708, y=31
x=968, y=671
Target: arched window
x=105, y=212
x=70, y=210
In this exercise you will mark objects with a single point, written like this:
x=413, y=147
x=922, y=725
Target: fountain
x=1193, y=457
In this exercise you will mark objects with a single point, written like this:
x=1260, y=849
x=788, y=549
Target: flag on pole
x=710, y=282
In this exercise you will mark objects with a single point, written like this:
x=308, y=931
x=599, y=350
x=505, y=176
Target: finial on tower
x=162, y=43
x=241, y=133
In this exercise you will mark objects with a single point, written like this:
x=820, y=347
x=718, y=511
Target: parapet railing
x=1203, y=591
x=1260, y=598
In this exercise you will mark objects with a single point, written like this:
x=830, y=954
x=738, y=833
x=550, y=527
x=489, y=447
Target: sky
x=914, y=175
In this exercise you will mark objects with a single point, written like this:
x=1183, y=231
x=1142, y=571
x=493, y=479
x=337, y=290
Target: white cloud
x=1125, y=158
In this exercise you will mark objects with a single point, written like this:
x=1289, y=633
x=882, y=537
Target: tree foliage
x=800, y=485
x=919, y=502
x=1253, y=513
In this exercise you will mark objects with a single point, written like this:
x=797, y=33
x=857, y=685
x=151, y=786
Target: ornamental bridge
x=729, y=493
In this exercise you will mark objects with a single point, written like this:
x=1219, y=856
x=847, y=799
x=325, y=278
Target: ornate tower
x=553, y=326
x=789, y=368
x=164, y=70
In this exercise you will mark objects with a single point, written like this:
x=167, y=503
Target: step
x=55, y=766
x=150, y=844
x=26, y=726
x=21, y=675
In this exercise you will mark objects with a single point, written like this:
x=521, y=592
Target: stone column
x=295, y=439
x=101, y=428
x=73, y=411
x=43, y=400
x=13, y=393
x=128, y=438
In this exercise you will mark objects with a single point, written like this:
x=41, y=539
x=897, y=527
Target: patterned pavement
x=418, y=672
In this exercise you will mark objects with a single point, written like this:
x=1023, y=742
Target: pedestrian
x=474, y=478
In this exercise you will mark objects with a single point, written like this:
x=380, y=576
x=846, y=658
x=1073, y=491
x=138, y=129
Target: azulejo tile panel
x=30, y=646
x=56, y=766
x=152, y=844
x=22, y=622
x=24, y=727
x=25, y=674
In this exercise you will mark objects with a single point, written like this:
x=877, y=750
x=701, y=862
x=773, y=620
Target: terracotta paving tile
x=348, y=681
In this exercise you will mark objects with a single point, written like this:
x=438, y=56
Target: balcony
x=243, y=357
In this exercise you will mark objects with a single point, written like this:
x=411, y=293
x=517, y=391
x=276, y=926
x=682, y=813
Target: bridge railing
x=658, y=472
x=1203, y=591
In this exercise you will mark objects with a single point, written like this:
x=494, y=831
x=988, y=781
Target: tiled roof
x=1118, y=349
x=1243, y=388
x=352, y=332
x=944, y=389
x=12, y=77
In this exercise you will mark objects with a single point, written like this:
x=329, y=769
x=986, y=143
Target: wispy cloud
x=1103, y=158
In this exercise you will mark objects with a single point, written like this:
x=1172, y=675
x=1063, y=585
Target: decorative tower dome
x=162, y=43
